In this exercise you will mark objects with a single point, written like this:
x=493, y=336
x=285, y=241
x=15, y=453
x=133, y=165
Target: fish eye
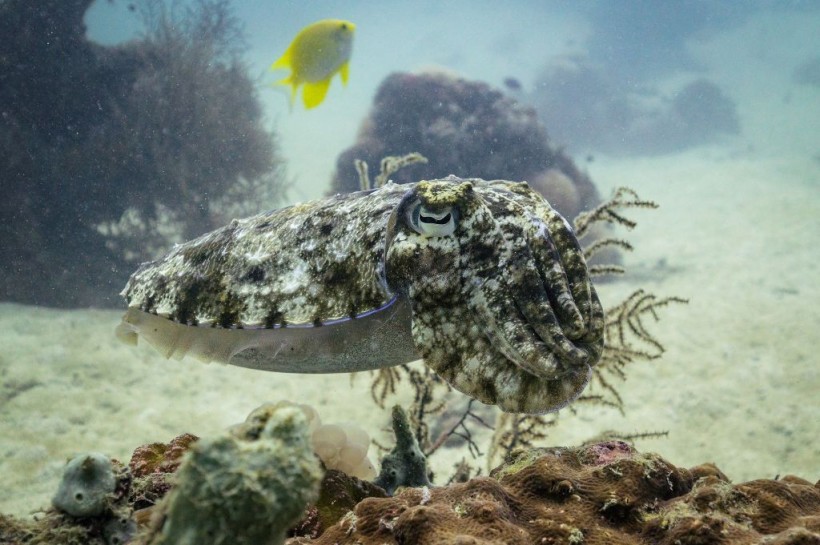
x=432, y=223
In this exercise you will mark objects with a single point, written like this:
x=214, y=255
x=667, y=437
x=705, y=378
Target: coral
x=152, y=467
x=245, y=487
x=160, y=457
x=88, y=481
x=338, y=494
x=465, y=128
x=605, y=493
x=406, y=464
x=149, y=141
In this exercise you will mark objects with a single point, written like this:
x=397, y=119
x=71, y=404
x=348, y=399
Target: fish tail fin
x=344, y=71
x=314, y=93
x=282, y=62
x=288, y=82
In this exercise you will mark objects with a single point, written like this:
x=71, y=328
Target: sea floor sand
x=736, y=234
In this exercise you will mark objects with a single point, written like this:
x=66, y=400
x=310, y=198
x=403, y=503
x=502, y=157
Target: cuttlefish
x=483, y=280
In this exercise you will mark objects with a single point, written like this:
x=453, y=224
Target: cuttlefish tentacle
x=570, y=258
x=494, y=297
x=548, y=260
x=519, y=353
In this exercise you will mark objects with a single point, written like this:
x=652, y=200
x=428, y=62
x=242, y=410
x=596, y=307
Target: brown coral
x=605, y=493
x=465, y=128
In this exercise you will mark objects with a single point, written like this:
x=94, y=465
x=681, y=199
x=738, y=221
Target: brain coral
x=605, y=493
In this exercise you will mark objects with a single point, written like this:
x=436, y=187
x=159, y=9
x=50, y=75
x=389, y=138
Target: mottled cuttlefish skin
x=481, y=279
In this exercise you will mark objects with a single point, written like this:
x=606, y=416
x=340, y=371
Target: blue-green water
x=736, y=232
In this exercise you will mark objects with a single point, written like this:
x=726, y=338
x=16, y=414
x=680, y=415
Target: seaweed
x=150, y=142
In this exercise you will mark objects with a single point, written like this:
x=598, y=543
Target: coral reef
x=246, y=487
x=149, y=142
x=588, y=108
x=252, y=485
x=466, y=128
x=606, y=493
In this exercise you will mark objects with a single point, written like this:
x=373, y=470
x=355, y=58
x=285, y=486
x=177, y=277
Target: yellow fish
x=315, y=55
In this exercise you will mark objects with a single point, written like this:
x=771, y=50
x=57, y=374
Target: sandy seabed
x=736, y=234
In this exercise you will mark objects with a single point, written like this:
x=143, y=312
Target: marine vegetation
x=317, y=53
x=111, y=153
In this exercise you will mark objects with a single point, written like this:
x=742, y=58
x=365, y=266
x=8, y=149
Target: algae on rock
x=245, y=487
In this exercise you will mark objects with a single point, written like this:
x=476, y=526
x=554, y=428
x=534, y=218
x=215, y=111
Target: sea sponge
x=245, y=487
x=87, y=485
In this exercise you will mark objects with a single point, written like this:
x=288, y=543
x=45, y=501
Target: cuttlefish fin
x=314, y=93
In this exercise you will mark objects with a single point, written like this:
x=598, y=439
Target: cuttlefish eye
x=432, y=223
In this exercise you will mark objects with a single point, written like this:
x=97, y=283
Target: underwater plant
x=151, y=141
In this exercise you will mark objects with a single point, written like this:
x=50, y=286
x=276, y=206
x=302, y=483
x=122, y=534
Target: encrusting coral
x=601, y=494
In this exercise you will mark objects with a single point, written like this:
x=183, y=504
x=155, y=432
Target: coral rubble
x=465, y=128
x=605, y=493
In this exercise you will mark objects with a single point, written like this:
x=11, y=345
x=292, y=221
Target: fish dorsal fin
x=344, y=71
x=314, y=93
